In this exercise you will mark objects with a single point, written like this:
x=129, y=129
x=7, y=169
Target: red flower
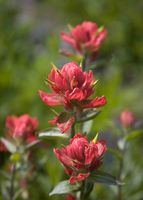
x=2, y=147
x=85, y=37
x=70, y=197
x=72, y=88
x=63, y=125
x=81, y=157
x=127, y=118
x=22, y=127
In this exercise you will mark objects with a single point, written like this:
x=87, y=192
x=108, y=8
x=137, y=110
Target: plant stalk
x=12, y=181
x=121, y=169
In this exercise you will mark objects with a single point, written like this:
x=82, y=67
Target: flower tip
x=95, y=82
x=69, y=27
x=100, y=29
x=95, y=138
x=53, y=66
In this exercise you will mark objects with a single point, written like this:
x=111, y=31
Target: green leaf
x=116, y=153
x=4, y=174
x=64, y=187
x=52, y=134
x=32, y=144
x=88, y=115
x=133, y=135
x=103, y=177
x=10, y=146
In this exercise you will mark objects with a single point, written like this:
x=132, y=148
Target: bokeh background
x=29, y=42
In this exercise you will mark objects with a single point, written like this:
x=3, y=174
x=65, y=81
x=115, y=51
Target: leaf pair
x=65, y=187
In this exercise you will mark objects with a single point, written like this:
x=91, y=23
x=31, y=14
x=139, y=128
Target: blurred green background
x=29, y=42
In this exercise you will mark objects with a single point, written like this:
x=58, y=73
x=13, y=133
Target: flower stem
x=82, y=191
x=84, y=62
x=72, y=130
x=12, y=181
x=121, y=169
x=86, y=189
x=120, y=179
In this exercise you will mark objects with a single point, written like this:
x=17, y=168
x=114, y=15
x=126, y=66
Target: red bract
x=127, y=118
x=70, y=197
x=63, y=125
x=81, y=157
x=2, y=147
x=72, y=88
x=22, y=127
x=85, y=37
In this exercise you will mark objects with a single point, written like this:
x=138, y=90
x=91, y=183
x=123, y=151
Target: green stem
x=12, y=181
x=121, y=169
x=120, y=196
x=84, y=62
x=82, y=191
x=72, y=130
x=86, y=189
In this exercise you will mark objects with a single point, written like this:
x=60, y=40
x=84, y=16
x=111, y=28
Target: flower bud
x=127, y=118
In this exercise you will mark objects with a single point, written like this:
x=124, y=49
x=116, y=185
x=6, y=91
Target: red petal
x=66, y=125
x=53, y=121
x=3, y=147
x=67, y=38
x=79, y=177
x=50, y=99
x=97, y=102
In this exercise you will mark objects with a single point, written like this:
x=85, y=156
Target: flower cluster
x=86, y=38
x=81, y=157
x=71, y=88
x=20, y=129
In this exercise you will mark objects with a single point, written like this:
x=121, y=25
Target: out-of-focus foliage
x=29, y=42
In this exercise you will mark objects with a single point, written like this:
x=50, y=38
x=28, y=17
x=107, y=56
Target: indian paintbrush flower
x=81, y=157
x=72, y=88
x=21, y=129
x=86, y=38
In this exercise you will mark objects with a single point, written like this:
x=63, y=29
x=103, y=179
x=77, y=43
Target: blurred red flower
x=127, y=118
x=70, y=197
x=2, y=147
x=23, y=126
x=85, y=37
x=81, y=157
x=20, y=128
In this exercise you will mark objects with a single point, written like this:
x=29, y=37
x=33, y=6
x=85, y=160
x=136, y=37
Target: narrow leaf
x=133, y=135
x=4, y=174
x=32, y=144
x=10, y=146
x=104, y=178
x=89, y=115
x=52, y=134
x=64, y=187
x=115, y=153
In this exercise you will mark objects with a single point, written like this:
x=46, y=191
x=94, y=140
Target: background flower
x=85, y=37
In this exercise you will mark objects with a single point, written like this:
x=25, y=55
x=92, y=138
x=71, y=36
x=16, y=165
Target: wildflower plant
x=73, y=87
